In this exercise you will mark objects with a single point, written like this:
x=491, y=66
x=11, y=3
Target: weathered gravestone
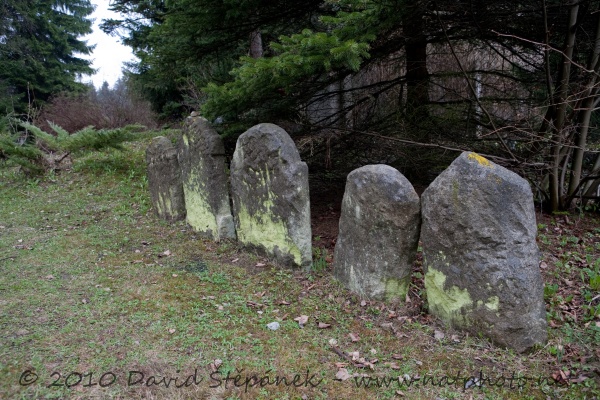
x=269, y=185
x=202, y=159
x=164, y=179
x=379, y=233
x=480, y=255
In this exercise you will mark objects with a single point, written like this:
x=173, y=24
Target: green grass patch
x=100, y=299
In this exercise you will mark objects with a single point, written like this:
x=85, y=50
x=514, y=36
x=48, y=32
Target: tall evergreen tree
x=40, y=50
x=188, y=43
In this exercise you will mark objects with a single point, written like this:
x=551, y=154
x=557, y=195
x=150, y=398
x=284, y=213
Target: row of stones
x=269, y=188
x=476, y=223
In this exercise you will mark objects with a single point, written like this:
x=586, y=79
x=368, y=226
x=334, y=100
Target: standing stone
x=202, y=158
x=270, y=195
x=379, y=233
x=480, y=254
x=164, y=180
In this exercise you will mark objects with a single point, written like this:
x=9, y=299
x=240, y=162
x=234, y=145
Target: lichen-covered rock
x=202, y=159
x=269, y=186
x=164, y=179
x=379, y=233
x=480, y=254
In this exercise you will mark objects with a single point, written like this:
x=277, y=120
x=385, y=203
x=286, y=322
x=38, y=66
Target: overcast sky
x=109, y=54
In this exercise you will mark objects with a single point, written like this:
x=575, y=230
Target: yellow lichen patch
x=185, y=140
x=396, y=289
x=446, y=304
x=199, y=213
x=261, y=230
x=159, y=205
x=481, y=160
x=493, y=303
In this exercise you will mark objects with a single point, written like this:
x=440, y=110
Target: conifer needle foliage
x=48, y=150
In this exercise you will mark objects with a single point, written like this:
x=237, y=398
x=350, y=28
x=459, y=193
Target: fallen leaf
x=171, y=331
x=167, y=253
x=354, y=337
x=393, y=366
x=363, y=303
x=174, y=275
x=397, y=356
x=283, y=303
x=260, y=294
x=439, y=335
x=333, y=342
x=373, y=351
x=400, y=393
x=323, y=325
x=340, y=364
x=543, y=265
x=235, y=260
x=49, y=277
x=260, y=264
x=579, y=379
x=302, y=320
x=342, y=374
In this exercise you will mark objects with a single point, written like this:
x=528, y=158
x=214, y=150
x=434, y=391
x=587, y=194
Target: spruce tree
x=40, y=50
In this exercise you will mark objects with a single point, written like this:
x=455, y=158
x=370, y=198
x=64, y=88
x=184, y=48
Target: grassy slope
x=91, y=282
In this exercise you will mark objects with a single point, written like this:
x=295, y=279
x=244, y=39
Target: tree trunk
x=256, y=46
x=560, y=104
x=417, y=76
x=585, y=117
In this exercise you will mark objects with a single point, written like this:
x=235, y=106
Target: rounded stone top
x=269, y=137
x=383, y=180
x=159, y=146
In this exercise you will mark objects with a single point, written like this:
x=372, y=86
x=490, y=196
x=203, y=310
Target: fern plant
x=48, y=150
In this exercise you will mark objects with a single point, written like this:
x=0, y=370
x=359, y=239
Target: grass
x=100, y=299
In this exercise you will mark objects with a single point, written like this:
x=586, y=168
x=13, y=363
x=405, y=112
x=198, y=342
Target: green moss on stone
x=492, y=304
x=262, y=230
x=446, y=303
x=396, y=288
x=159, y=208
x=199, y=213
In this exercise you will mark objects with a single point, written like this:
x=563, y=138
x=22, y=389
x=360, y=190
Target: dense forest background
x=407, y=83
